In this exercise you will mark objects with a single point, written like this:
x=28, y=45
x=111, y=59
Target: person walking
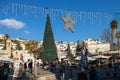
x=25, y=65
x=30, y=66
x=62, y=71
x=82, y=75
x=1, y=72
x=6, y=71
x=20, y=72
x=93, y=74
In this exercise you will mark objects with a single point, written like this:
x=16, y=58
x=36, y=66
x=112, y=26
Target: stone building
x=96, y=46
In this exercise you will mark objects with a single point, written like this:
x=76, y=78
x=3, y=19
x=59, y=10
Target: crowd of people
x=28, y=66
x=20, y=69
x=6, y=69
x=62, y=67
x=89, y=74
x=65, y=68
x=59, y=67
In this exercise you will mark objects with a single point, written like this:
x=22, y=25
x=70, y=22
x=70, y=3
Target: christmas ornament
x=68, y=22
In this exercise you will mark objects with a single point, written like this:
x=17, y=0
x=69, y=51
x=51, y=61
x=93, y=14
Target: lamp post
x=32, y=47
x=71, y=69
x=11, y=55
x=35, y=65
x=100, y=60
x=97, y=52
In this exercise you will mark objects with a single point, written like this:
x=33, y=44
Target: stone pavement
x=48, y=75
x=41, y=75
x=27, y=76
x=56, y=74
x=45, y=75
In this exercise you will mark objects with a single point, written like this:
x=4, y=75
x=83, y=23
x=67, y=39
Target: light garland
x=15, y=8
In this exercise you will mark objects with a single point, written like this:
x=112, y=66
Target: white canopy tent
x=7, y=59
x=89, y=58
x=101, y=56
x=78, y=58
x=114, y=52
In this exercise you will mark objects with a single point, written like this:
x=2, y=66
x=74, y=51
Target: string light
x=14, y=8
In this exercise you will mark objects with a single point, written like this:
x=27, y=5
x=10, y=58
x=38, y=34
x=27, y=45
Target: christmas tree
x=49, y=47
x=69, y=54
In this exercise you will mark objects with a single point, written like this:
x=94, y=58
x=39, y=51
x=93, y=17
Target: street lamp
x=11, y=55
x=100, y=53
x=35, y=51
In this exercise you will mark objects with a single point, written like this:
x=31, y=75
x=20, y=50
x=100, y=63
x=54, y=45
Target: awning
x=101, y=56
x=89, y=58
x=7, y=59
x=114, y=52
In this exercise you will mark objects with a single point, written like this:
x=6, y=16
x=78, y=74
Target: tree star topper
x=68, y=22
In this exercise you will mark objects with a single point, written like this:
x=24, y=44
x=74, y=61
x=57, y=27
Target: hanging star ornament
x=68, y=22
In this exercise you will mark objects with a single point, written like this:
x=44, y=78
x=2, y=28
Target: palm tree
x=118, y=37
x=5, y=38
x=114, y=26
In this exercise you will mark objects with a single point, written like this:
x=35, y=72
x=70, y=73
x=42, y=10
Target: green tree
x=49, y=47
x=39, y=55
x=31, y=46
x=78, y=48
x=5, y=38
x=18, y=46
x=1, y=41
x=69, y=54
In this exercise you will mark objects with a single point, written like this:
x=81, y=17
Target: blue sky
x=19, y=18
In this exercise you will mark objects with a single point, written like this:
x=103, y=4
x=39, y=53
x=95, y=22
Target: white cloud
x=26, y=32
x=12, y=23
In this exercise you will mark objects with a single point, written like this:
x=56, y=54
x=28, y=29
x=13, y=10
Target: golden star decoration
x=68, y=22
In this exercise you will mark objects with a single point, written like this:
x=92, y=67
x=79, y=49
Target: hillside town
x=59, y=40
x=14, y=50
x=94, y=47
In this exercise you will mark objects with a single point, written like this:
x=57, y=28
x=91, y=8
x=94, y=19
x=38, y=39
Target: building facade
x=96, y=46
x=62, y=46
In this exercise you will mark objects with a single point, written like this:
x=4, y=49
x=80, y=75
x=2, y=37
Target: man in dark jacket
x=82, y=75
x=30, y=66
x=93, y=74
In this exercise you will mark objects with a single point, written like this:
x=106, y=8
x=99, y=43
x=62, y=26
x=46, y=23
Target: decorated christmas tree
x=49, y=47
x=69, y=54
